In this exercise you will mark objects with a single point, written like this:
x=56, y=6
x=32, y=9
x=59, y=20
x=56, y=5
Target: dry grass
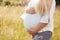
x=11, y=25
x=56, y=33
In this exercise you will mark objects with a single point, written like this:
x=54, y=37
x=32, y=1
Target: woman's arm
x=38, y=28
x=30, y=10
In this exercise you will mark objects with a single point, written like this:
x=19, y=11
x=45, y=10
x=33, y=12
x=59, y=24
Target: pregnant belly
x=31, y=21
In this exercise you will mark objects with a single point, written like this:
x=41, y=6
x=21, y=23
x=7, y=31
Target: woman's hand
x=38, y=28
x=31, y=11
x=31, y=32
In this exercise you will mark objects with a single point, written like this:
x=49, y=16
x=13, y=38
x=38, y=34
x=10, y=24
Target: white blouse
x=32, y=20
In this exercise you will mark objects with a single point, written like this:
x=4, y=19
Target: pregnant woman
x=38, y=19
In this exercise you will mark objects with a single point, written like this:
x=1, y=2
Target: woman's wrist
x=31, y=11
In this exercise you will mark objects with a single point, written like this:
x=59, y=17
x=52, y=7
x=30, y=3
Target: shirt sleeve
x=45, y=18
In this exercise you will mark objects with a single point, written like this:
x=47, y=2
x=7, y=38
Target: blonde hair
x=43, y=6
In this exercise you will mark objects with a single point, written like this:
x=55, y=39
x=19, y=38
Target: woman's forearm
x=40, y=26
x=31, y=11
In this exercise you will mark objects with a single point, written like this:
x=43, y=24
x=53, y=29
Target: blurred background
x=11, y=25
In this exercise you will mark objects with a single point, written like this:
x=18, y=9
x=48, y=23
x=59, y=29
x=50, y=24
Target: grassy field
x=12, y=28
